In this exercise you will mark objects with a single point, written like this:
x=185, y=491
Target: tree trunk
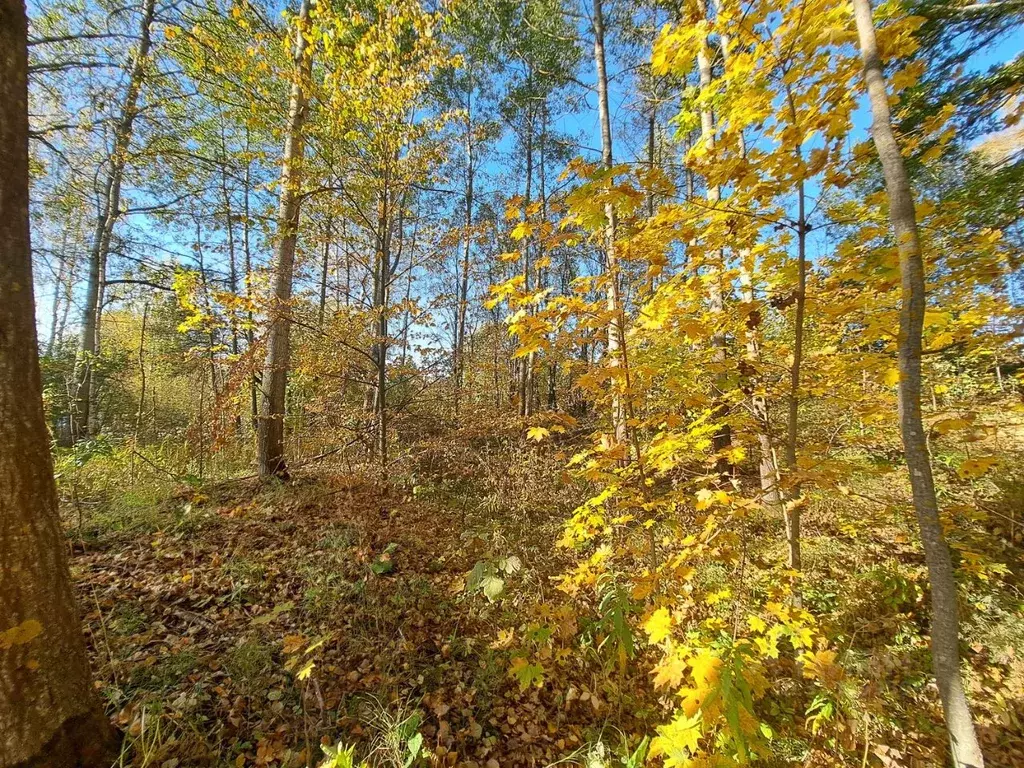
x=270, y=435
x=945, y=629
x=526, y=362
x=547, y=273
x=768, y=468
x=324, y=268
x=794, y=502
x=381, y=281
x=460, y=330
x=722, y=438
x=110, y=211
x=229, y=223
x=771, y=498
x=58, y=285
x=49, y=712
x=250, y=334
x=615, y=330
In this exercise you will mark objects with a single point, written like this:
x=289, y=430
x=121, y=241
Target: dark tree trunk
x=49, y=713
x=945, y=623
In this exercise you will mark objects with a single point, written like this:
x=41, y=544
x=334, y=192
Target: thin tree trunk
x=69, y=290
x=794, y=502
x=49, y=712
x=380, y=300
x=768, y=470
x=58, y=285
x=771, y=498
x=323, y=273
x=722, y=438
x=460, y=331
x=615, y=330
x=211, y=333
x=250, y=334
x=229, y=222
x=526, y=362
x=547, y=273
x=270, y=435
x=142, y=374
x=109, y=212
x=945, y=625
x=142, y=387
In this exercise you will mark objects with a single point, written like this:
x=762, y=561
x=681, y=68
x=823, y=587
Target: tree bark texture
x=49, y=713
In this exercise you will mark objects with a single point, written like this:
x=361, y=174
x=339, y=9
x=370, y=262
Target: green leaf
x=493, y=587
x=415, y=744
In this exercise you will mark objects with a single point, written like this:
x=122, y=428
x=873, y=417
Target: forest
x=500, y=383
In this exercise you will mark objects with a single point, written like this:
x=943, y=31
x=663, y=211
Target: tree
x=615, y=314
x=107, y=216
x=49, y=714
x=945, y=625
x=270, y=433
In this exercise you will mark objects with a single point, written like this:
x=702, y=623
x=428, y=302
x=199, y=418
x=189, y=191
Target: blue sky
x=583, y=125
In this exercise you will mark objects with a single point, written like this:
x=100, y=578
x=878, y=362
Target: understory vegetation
x=232, y=623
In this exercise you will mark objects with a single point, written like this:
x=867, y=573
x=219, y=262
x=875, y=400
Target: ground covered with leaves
x=425, y=621
x=246, y=625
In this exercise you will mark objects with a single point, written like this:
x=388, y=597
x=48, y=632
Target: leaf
x=944, y=426
x=677, y=741
x=527, y=674
x=658, y=626
x=266, y=618
x=537, y=433
x=505, y=638
x=415, y=744
x=492, y=587
x=704, y=668
x=891, y=377
x=971, y=469
x=23, y=633
x=476, y=576
x=306, y=671
x=511, y=564
x=669, y=671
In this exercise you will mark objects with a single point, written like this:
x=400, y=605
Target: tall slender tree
x=945, y=624
x=108, y=213
x=275, y=369
x=614, y=302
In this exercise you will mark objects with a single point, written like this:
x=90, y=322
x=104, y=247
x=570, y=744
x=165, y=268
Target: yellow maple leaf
x=677, y=741
x=669, y=671
x=891, y=377
x=658, y=626
x=704, y=668
x=972, y=469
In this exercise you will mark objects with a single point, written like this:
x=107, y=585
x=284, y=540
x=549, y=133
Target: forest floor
x=241, y=624
x=202, y=609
